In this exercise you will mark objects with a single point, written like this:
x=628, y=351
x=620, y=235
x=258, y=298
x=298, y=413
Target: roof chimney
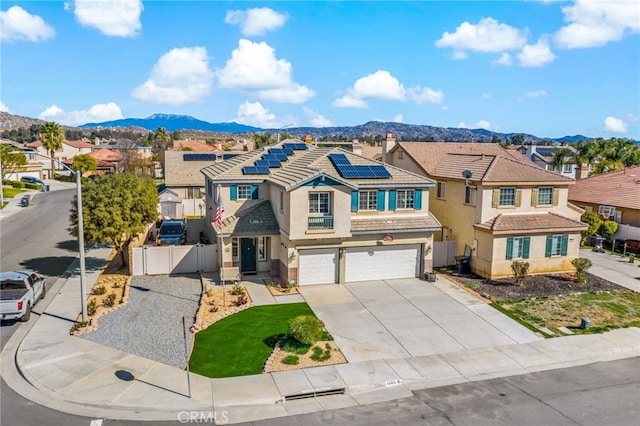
x=356, y=147
x=387, y=145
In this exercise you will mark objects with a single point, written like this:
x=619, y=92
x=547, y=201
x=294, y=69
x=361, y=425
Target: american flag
x=219, y=211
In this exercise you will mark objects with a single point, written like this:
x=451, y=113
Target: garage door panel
x=375, y=263
x=317, y=266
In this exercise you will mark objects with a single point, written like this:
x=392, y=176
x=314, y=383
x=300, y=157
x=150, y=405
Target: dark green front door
x=248, y=256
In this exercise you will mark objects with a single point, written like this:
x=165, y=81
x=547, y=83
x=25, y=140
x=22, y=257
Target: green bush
x=291, y=344
x=237, y=290
x=17, y=184
x=608, y=228
x=319, y=354
x=35, y=186
x=582, y=265
x=520, y=270
x=593, y=220
x=291, y=360
x=306, y=328
x=99, y=290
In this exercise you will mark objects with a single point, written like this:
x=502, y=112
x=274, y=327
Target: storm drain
x=315, y=394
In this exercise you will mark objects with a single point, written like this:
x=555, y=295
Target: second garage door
x=317, y=266
x=378, y=263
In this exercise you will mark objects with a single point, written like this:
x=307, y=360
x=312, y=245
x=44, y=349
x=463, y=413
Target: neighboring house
x=183, y=177
x=135, y=157
x=193, y=145
x=614, y=196
x=542, y=155
x=69, y=150
x=496, y=203
x=33, y=168
x=107, y=161
x=315, y=215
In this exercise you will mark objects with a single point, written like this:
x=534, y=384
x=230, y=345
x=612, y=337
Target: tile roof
x=530, y=223
x=80, y=144
x=490, y=163
x=257, y=219
x=618, y=189
x=305, y=165
x=192, y=145
x=397, y=223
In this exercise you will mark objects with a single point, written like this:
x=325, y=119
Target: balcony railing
x=320, y=222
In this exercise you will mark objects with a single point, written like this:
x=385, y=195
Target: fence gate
x=444, y=253
x=166, y=260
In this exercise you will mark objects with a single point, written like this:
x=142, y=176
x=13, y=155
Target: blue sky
x=549, y=68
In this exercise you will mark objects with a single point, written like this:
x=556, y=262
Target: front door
x=248, y=262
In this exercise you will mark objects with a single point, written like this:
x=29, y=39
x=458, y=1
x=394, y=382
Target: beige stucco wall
x=340, y=208
x=526, y=205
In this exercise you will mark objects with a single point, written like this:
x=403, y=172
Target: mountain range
x=370, y=130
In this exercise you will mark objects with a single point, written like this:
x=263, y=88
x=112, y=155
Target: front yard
x=551, y=304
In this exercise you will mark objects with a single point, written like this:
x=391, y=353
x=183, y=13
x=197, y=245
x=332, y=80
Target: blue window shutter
x=509, y=248
x=234, y=192
x=392, y=200
x=547, y=250
x=380, y=200
x=565, y=245
x=254, y=192
x=417, y=200
x=354, y=201
x=525, y=247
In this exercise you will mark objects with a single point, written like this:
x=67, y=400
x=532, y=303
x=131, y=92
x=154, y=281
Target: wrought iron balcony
x=319, y=222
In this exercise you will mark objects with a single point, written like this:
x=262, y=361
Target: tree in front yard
x=608, y=228
x=520, y=271
x=11, y=160
x=582, y=265
x=593, y=220
x=116, y=208
x=306, y=329
x=84, y=163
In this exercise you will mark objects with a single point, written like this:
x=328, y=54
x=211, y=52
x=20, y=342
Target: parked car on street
x=19, y=291
x=31, y=179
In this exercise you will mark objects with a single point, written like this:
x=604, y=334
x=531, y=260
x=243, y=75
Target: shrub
x=209, y=292
x=520, y=271
x=593, y=220
x=291, y=344
x=237, y=290
x=110, y=300
x=319, y=354
x=92, y=307
x=291, y=360
x=306, y=328
x=213, y=309
x=608, y=228
x=582, y=265
x=241, y=300
x=115, y=285
x=99, y=290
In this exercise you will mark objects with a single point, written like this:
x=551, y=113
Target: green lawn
x=239, y=345
x=11, y=192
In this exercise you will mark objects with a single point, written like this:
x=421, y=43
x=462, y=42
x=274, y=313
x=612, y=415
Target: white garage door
x=378, y=263
x=317, y=266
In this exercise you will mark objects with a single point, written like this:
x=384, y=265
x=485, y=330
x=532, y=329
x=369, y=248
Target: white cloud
x=595, y=23
x=482, y=124
x=462, y=125
x=180, y=76
x=536, y=94
x=254, y=67
x=504, y=59
x=16, y=24
x=256, y=21
x=487, y=36
x=536, y=55
x=615, y=125
x=118, y=18
x=317, y=120
x=254, y=114
x=95, y=114
x=398, y=119
x=4, y=108
x=382, y=85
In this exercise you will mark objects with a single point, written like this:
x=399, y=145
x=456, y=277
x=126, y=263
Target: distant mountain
x=571, y=139
x=174, y=123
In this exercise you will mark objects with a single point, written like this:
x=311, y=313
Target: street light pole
x=281, y=129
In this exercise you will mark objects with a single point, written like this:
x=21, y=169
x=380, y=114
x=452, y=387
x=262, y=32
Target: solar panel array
x=272, y=159
x=255, y=170
x=199, y=157
x=295, y=146
x=357, y=171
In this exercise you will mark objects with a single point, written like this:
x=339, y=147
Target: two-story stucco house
x=69, y=150
x=315, y=215
x=497, y=203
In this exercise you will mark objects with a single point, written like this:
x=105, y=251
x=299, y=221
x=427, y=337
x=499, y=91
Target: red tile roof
x=530, y=223
x=618, y=189
x=193, y=145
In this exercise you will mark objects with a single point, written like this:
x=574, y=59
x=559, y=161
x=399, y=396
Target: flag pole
x=219, y=208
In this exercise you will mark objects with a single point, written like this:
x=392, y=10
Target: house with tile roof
x=108, y=161
x=319, y=215
x=69, y=150
x=496, y=204
x=615, y=196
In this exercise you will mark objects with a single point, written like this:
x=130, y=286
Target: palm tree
x=559, y=156
x=52, y=137
x=161, y=140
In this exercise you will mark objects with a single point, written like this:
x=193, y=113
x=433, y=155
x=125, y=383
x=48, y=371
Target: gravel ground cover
x=150, y=325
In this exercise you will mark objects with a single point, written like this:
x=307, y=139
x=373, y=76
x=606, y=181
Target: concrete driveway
x=405, y=318
x=614, y=268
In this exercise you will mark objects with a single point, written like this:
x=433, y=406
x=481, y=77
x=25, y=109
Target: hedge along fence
x=22, y=185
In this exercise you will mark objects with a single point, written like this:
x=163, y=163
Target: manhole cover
x=329, y=378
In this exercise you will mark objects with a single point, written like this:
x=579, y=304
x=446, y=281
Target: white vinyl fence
x=627, y=232
x=166, y=260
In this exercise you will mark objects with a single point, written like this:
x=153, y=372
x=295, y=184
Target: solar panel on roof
x=380, y=171
x=199, y=157
x=254, y=170
x=268, y=163
x=296, y=146
x=357, y=171
x=287, y=151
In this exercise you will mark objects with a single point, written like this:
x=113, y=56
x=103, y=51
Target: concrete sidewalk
x=614, y=268
x=43, y=363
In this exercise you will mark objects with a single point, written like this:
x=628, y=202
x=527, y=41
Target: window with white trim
x=319, y=202
x=545, y=196
x=567, y=168
x=470, y=193
x=368, y=200
x=405, y=199
x=244, y=192
x=262, y=248
x=193, y=193
x=507, y=197
x=518, y=246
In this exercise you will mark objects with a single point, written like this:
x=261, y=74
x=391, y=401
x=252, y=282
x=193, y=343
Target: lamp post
x=281, y=129
x=83, y=288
